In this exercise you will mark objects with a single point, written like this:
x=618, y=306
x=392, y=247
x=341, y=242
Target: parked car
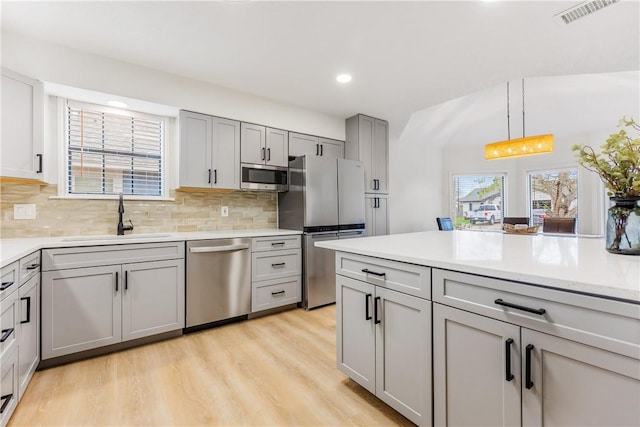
x=486, y=213
x=538, y=216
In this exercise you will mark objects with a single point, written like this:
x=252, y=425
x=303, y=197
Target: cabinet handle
x=321, y=149
x=215, y=176
x=538, y=311
x=39, y=156
x=6, y=399
x=268, y=154
x=367, y=271
x=277, y=244
x=32, y=266
x=278, y=264
x=209, y=178
x=376, y=320
x=6, y=333
x=367, y=299
x=116, y=281
x=126, y=280
x=263, y=154
x=5, y=285
x=527, y=367
x=317, y=149
x=28, y=300
x=277, y=293
x=508, y=376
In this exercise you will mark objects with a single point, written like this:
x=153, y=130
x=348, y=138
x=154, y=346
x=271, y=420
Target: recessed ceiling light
x=117, y=104
x=343, y=78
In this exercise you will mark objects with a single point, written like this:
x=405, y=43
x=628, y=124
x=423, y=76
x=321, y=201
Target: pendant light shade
x=525, y=146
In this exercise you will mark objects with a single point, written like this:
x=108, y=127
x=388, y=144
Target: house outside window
x=111, y=151
x=553, y=194
x=477, y=201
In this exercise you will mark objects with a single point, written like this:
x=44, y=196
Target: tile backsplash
x=190, y=211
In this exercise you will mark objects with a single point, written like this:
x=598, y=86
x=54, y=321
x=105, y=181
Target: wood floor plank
x=278, y=370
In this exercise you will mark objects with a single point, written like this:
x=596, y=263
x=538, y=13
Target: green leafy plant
x=618, y=163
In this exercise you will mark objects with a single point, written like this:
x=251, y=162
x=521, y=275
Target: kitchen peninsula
x=523, y=329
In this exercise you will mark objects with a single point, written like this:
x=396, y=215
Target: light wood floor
x=278, y=370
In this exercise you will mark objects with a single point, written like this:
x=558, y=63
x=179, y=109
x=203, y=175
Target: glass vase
x=623, y=226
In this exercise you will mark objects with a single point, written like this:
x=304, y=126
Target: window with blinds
x=477, y=201
x=553, y=194
x=113, y=151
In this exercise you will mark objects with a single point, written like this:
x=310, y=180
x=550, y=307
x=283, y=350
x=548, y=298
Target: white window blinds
x=113, y=151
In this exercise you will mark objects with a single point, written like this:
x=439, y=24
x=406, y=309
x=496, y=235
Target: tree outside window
x=553, y=193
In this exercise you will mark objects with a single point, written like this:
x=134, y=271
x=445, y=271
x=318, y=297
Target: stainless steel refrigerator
x=326, y=202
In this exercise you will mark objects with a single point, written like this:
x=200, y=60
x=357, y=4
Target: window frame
x=527, y=182
x=63, y=175
x=452, y=200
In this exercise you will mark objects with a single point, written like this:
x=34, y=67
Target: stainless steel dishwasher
x=218, y=280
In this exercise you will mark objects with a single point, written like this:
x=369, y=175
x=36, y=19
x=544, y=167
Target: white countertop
x=14, y=249
x=578, y=264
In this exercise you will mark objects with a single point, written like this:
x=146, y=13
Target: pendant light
x=525, y=146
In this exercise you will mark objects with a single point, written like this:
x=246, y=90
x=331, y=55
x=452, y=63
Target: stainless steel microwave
x=263, y=177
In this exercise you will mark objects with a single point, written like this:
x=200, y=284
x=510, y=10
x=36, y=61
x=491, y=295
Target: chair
x=513, y=220
x=559, y=225
x=444, y=223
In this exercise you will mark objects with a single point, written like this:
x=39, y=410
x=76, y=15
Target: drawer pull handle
x=277, y=293
x=6, y=333
x=367, y=299
x=376, y=320
x=367, y=271
x=33, y=266
x=28, y=300
x=538, y=311
x=39, y=156
x=508, y=376
x=277, y=244
x=278, y=264
x=6, y=399
x=527, y=368
x=5, y=285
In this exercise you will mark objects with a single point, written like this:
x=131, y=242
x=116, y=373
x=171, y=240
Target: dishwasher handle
x=226, y=248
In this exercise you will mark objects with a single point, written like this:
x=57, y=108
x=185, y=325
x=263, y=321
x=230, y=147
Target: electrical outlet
x=24, y=211
x=224, y=211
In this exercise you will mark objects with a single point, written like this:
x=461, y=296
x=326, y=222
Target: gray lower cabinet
x=95, y=306
x=376, y=214
x=29, y=340
x=384, y=344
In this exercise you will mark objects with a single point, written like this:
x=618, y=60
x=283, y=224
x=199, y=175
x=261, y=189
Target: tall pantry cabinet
x=367, y=140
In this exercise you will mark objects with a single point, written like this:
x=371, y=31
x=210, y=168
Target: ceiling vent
x=582, y=10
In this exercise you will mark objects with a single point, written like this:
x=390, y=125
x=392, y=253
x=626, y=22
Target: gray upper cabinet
x=22, y=126
x=265, y=146
x=309, y=145
x=368, y=141
x=209, y=151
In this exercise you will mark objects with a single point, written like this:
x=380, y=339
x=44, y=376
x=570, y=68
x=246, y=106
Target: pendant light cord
x=508, y=123
x=523, y=107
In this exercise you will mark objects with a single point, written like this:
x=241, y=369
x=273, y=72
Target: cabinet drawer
x=275, y=293
x=408, y=278
x=8, y=386
x=29, y=267
x=274, y=243
x=63, y=258
x=275, y=264
x=608, y=324
x=9, y=323
x=10, y=280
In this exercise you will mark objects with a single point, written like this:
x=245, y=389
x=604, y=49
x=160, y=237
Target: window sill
x=109, y=197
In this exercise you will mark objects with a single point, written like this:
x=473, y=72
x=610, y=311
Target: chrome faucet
x=121, y=227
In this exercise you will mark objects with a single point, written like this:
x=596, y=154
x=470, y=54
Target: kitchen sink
x=112, y=237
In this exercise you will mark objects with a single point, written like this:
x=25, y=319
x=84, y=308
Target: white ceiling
x=404, y=56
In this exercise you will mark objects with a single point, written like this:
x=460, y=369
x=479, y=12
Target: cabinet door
x=470, y=383
x=331, y=148
x=365, y=149
x=252, y=143
x=8, y=386
x=303, y=145
x=195, y=149
x=81, y=309
x=403, y=353
x=153, y=298
x=355, y=331
x=277, y=147
x=22, y=126
x=380, y=150
x=381, y=212
x=29, y=341
x=225, y=147
x=369, y=214
x=576, y=384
